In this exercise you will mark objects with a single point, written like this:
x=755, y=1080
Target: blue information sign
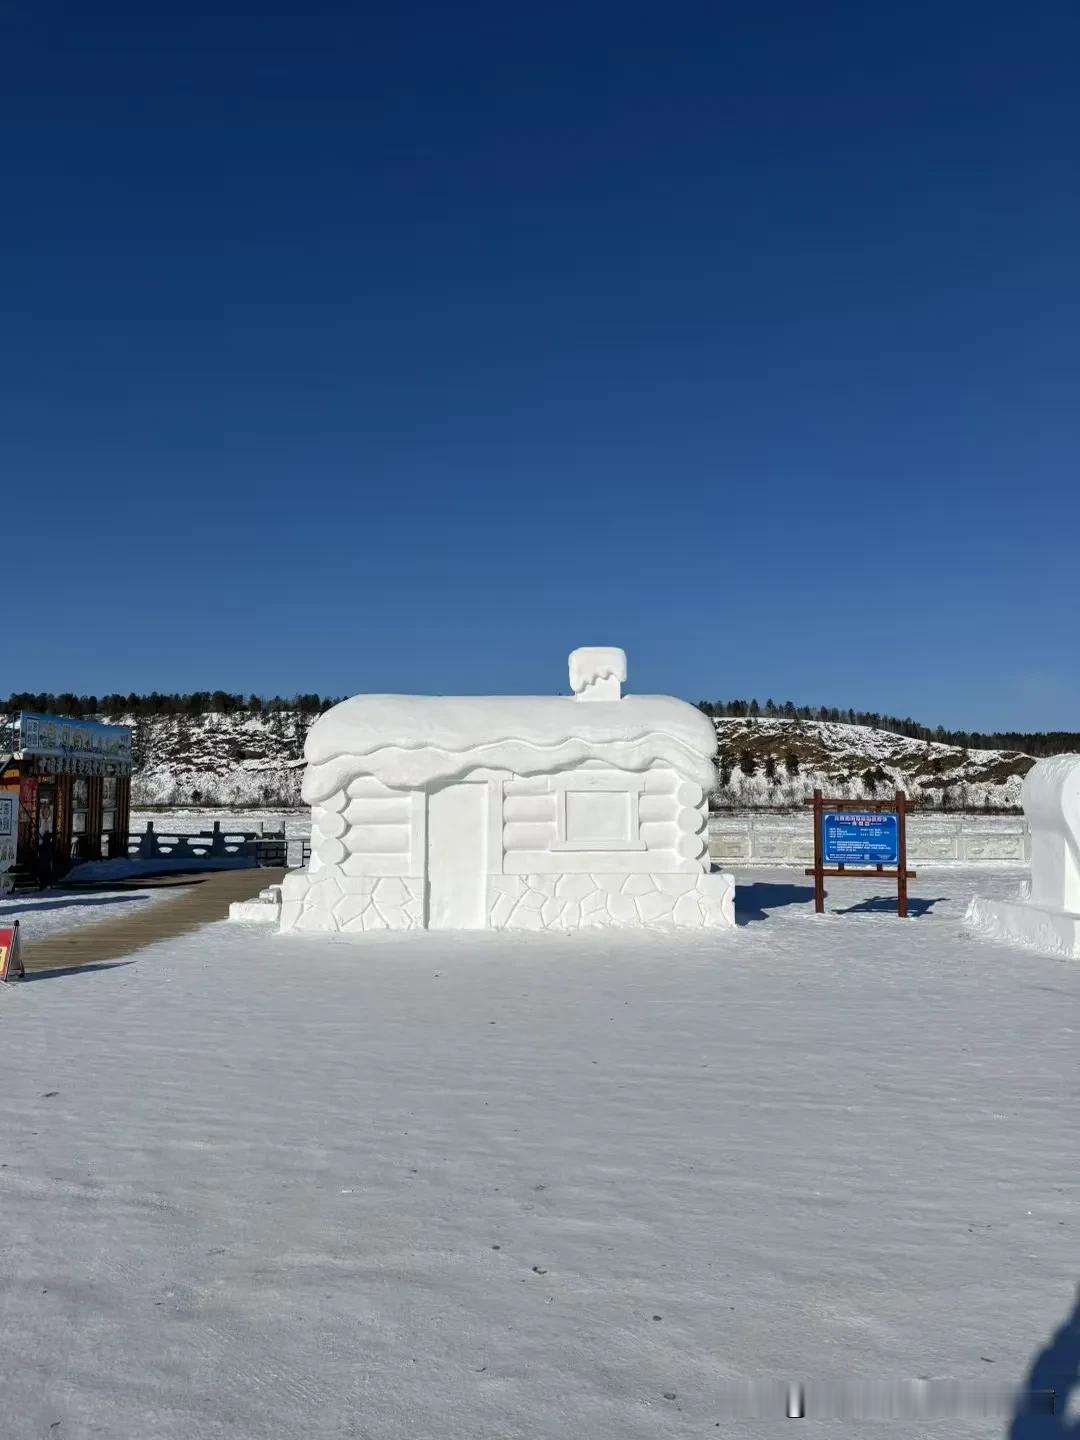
x=855, y=838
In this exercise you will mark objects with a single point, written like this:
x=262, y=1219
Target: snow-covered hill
x=241, y=759
x=235, y=759
x=217, y=759
x=780, y=762
x=238, y=759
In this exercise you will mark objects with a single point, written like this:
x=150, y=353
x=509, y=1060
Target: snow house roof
x=410, y=741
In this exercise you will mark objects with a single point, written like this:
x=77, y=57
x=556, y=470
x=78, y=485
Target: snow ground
x=536, y=1185
x=41, y=912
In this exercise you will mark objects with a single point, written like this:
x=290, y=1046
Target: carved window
x=598, y=810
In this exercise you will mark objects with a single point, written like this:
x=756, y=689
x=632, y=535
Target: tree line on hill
x=198, y=702
x=202, y=702
x=1053, y=742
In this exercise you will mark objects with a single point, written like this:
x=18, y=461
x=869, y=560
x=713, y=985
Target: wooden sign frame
x=10, y=963
x=898, y=806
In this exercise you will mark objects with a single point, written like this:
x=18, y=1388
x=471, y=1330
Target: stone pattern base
x=330, y=901
x=568, y=902
x=1054, y=932
x=352, y=904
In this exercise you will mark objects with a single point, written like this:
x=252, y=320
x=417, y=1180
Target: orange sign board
x=10, y=964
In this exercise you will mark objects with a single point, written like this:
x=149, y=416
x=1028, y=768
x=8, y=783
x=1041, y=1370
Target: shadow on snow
x=1056, y=1367
x=887, y=904
x=756, y=901
x=753, y=902
x=31, y=907
x=61, y=971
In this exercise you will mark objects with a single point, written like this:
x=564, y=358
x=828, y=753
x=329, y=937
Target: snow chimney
x=597, y=672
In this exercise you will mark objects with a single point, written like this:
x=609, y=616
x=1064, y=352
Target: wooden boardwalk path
x=199, y=899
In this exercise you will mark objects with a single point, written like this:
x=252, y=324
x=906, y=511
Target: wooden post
x=123, y=817
x=901, y=871
x=62, y=824
x=819, y=864
x=841, y=869
x=93, y=818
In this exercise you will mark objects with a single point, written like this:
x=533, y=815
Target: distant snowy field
x=536, y=1186
x=192, y=821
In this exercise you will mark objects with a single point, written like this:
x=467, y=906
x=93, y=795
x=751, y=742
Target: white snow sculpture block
x=485, y=812
x=1047, y=917
x=597, y=672
x=265, y=909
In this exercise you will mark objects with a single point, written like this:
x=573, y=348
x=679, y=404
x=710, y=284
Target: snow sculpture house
x=1047, y=917
x=517, y=812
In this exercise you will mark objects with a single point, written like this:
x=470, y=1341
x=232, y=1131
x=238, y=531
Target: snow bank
x=1047, y=917
x=1021, y=922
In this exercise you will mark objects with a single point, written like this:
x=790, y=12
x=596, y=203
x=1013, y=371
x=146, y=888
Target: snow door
x=456, y=858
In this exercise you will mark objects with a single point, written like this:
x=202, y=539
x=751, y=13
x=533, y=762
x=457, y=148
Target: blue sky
x=406, y=346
